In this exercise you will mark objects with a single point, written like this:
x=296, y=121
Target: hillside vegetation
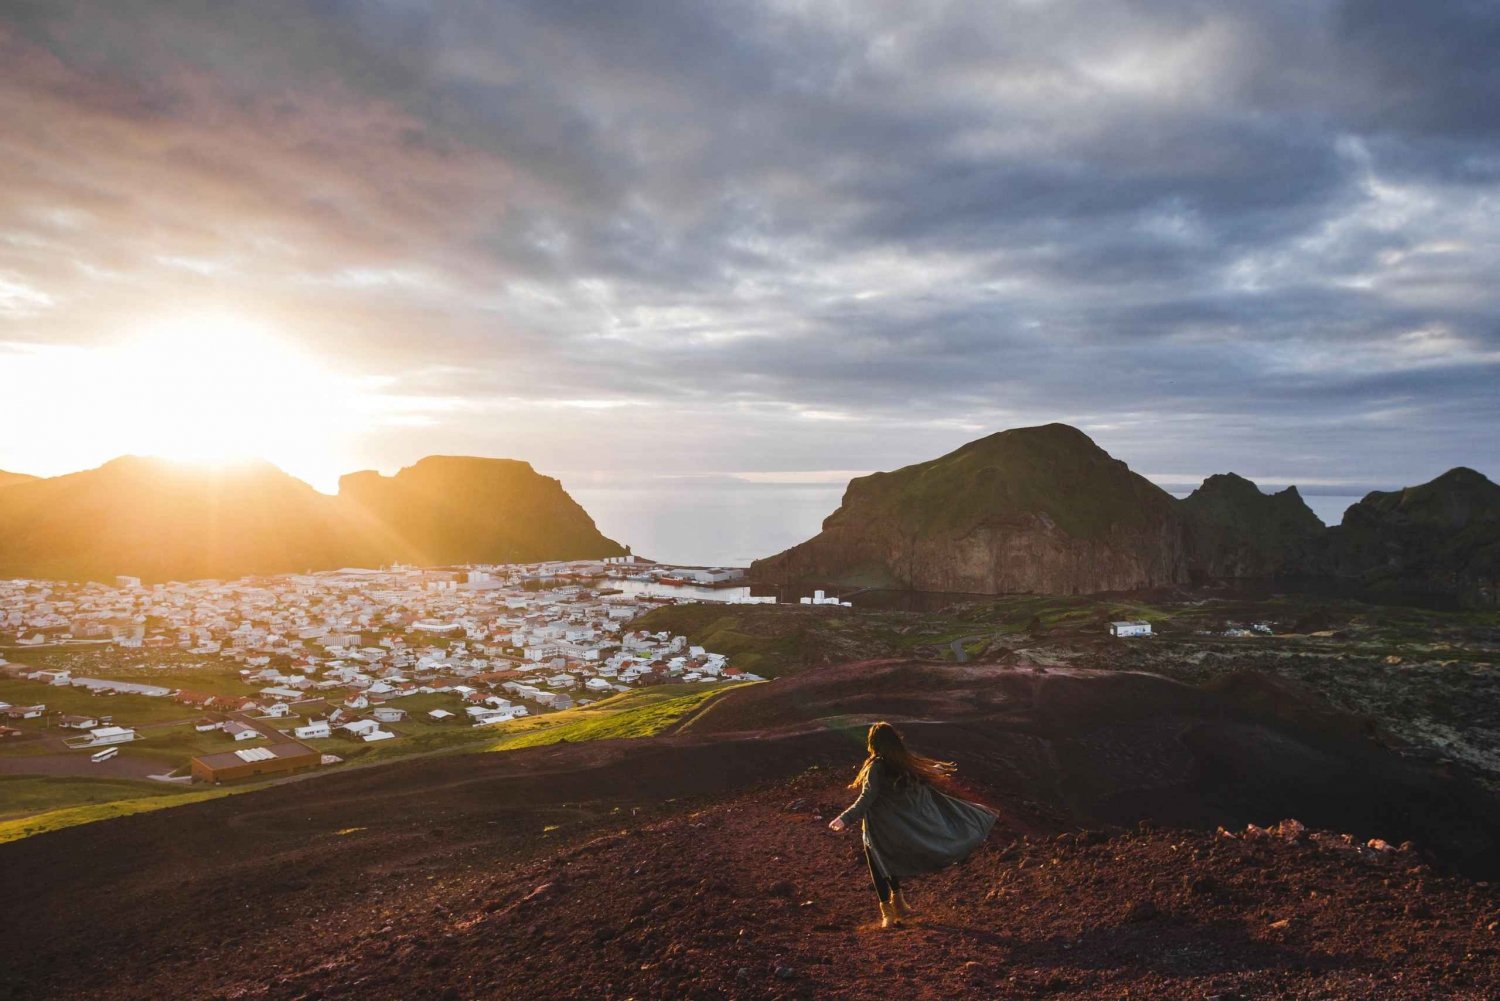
x=160, y=520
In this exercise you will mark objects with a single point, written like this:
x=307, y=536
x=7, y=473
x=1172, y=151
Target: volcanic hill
x=1240, y=531
x=1045, y=510
x=698, y=864
x=1441, y=536
x=1039, y=509
x=162, y=520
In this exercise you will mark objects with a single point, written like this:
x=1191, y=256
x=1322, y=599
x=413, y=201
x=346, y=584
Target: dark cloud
x=1249, y=236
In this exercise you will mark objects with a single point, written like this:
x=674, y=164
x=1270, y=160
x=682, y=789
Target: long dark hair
x=885, y=743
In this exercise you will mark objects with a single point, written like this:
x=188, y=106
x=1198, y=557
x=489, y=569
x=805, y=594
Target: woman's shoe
x=900, y=906
x=888, y=916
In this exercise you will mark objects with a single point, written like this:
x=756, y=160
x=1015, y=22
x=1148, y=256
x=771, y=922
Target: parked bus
x=104, y=755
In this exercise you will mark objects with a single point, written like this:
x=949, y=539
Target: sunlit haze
x=203, y=388
x=781, y=241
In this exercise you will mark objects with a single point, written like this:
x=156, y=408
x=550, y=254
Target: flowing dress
x=912, y=828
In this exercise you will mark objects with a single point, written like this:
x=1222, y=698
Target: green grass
x=36, y=804
x=25, y=795
x=87, y=813
x=629, y=714
x=173, y=746
x=127, y=710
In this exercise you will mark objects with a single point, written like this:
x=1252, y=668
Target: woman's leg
x=883, y=883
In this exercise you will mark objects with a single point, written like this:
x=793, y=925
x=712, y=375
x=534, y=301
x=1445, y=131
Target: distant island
x=161, y=520
x=1045, y=510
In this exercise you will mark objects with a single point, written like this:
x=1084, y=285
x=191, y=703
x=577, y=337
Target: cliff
x=1045, y=510
x=458, y=509
x=1039, y=509
x=158, y=519
x=1238, y=531
x=161, y=520
x=1442, y=536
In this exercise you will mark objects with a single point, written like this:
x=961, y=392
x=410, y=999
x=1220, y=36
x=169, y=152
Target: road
x=959, y=653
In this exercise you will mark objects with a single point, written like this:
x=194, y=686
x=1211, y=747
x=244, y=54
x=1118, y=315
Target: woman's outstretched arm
x=868, y=794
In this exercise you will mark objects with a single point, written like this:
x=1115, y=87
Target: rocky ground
x=699, y=864
x=1429, y=680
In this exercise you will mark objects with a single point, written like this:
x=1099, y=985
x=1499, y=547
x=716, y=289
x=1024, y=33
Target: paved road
x=77, y=763
x=959, y=653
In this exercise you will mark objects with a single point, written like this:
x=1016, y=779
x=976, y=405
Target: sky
x=769, y=242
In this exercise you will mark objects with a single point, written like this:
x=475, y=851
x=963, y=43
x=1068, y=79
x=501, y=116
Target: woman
x=910, y=828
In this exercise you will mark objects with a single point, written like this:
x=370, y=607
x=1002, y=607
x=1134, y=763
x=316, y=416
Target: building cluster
x=508, y=640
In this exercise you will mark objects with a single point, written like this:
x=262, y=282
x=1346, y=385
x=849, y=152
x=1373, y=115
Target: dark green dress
x=911, y=828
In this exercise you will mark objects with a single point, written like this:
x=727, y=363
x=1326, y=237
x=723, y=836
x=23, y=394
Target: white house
x=439, y=714
x=313, y=730
x=480, y=716
x=361, y=727
x=103, y=735
x=389, y=714
x=242, y=731
x=375, y=735
x=1130, y=629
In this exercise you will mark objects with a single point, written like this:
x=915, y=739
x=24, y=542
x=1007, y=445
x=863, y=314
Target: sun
x=205, y=388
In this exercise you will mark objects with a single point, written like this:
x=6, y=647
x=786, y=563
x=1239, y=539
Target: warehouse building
x=254, y=762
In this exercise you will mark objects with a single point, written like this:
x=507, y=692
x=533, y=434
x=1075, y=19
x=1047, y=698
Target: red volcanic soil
x=699, y=865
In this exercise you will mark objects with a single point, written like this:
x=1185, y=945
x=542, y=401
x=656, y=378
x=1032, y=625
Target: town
x=218, y=682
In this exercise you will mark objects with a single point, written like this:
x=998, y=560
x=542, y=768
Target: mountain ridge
x=1046, y=510
x=159, y=519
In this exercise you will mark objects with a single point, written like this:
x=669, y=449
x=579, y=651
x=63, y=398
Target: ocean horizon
x=722, y=522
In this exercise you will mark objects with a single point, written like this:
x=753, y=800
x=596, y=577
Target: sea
x=730, y=523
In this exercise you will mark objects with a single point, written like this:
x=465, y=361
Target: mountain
x=1441, y=536
x=158, y=519
x=162, y=520
x=6, y=479
x=1046, y=510
x=1031, y=509
x=447, y=509
x=1239, y=531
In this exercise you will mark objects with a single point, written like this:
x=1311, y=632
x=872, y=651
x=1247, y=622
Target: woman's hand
x=836, y=825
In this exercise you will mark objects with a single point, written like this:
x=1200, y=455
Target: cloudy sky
x=781, y=239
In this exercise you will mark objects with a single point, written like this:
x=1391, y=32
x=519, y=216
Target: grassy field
x=36, y=804
x=174, y=745
x=94, y=806
x=629, y=714
x=127, y=710
x=24, y=795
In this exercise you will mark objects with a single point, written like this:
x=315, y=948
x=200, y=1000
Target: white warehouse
x=1130, y=629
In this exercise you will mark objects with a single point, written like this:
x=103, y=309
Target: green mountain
x=457, y=509
x=1441, y=536
x=162, y=520
x=1031, y=509
x=1045, y=510
x=1239, y=531
x=158, y=519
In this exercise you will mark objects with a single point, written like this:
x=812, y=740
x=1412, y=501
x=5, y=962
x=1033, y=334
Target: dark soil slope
x=698, y=864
